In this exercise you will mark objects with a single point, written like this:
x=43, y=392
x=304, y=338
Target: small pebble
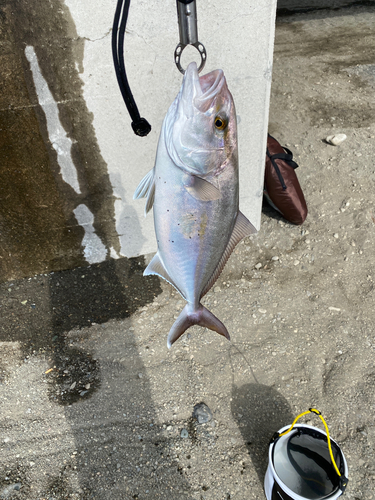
x=336, y=235
x=275, y=258
x=73, y=385
x=202, y=413
x=184, y=433
x=336, y=139
x=8, y=490
x=258, y=266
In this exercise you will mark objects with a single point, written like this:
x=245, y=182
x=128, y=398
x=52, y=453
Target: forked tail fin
x=189, y=317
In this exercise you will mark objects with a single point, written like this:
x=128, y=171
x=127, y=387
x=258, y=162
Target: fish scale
x=193, y=189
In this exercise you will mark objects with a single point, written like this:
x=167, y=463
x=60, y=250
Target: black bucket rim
x=311, y=429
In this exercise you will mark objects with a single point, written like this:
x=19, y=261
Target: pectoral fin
x=201, y=189
x=146, y=188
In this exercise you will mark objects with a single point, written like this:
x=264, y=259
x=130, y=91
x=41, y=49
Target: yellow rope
x=317, y=412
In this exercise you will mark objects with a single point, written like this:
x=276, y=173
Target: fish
x=193, y=189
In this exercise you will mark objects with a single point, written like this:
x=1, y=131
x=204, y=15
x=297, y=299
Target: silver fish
x=193, y=188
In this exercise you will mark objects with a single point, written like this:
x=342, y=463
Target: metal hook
x=188, y=29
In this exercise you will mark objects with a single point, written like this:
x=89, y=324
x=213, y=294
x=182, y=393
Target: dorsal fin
x=156, y=266
x=242, y=228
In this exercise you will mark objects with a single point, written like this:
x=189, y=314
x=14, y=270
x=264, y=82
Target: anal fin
x=156, y=267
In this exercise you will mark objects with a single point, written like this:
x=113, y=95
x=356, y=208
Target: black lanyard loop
x=140, y=126
x=187, y=20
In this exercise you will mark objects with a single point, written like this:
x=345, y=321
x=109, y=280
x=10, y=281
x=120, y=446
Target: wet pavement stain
x=40, y=311
x=99, y=447
x=348, y=45
x=290, y=7
x=75, y=375
x=59, y=488
x=342, y=47
x=38, y=229
x=14, y=480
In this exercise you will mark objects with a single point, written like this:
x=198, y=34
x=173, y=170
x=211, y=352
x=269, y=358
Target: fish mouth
x=211, y=84
x=201, y=89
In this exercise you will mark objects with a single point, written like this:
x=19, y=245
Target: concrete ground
x=94, y=405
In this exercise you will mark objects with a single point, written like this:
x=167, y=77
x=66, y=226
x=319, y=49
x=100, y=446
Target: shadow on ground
x=100, y=382
x=260, y=411
x=39, y=312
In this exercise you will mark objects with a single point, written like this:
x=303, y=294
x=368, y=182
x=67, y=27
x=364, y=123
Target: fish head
x=200, y=127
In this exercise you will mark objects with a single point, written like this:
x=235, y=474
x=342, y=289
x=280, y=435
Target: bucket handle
x=343, y=480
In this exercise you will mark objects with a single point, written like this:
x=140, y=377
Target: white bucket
x=300, y=467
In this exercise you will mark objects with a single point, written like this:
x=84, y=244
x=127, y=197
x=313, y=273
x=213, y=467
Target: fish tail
x=200, y=316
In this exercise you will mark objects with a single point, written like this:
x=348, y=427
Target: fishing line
x=140, y=126
x=246, y=361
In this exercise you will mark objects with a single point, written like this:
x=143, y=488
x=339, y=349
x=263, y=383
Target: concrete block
x=70, y=161
x=238, y=38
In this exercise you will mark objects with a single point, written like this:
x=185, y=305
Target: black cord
x=140, y=125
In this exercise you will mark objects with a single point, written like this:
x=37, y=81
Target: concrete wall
x=70, y=161
x=287, y=6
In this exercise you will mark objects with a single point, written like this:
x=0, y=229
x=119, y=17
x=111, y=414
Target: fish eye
x=220, y=123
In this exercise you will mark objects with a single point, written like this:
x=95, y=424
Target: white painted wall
x=238, y=37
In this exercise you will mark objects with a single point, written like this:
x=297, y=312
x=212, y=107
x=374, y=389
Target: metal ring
x=178, y=52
